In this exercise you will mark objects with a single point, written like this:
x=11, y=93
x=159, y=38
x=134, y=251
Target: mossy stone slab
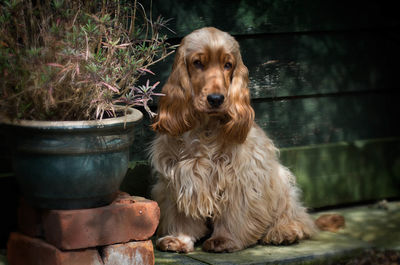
x=325, y=246
x=372, y=226
x=378, y=225
x=169, y=258
x=3, y=260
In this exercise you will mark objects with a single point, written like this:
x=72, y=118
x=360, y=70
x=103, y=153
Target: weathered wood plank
x=315, y=120
x=292, y=65
x=330, y=174
x=346, y=172
x=308, y=64
x=305, y=121
x=252, y=17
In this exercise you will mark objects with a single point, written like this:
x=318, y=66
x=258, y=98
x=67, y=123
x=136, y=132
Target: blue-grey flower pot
x=72, y=164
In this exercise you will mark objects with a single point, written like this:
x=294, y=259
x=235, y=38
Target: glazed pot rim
x=133, y=116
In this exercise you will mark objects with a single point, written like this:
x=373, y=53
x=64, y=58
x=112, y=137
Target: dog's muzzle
x=215, y=100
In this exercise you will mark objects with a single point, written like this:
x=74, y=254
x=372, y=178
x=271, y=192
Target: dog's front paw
x=175, y=244
x=220, y=244
x=286, y=234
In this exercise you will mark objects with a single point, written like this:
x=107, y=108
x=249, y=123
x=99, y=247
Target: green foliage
x=73, y=59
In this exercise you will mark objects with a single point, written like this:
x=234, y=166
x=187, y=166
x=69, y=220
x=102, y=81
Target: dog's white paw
x=181, y=244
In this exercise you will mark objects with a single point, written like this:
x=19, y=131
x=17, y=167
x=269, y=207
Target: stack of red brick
x=114, y=234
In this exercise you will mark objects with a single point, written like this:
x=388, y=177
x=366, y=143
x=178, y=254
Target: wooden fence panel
x=324, y=85
x=270, y=16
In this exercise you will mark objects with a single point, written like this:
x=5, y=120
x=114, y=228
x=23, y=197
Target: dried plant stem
x=132, y=26
x=160, y=59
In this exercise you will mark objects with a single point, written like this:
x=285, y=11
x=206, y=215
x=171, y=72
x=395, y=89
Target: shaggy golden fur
x=218, y=173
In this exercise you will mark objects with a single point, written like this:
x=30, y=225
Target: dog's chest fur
x=201, y=183
x=203, y=174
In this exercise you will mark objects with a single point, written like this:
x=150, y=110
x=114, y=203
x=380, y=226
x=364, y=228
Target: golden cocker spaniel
x=218, y=173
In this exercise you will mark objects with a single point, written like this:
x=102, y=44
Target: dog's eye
x=228, y=66
x=198, y=64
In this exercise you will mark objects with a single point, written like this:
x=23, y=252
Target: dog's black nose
x=215, y=100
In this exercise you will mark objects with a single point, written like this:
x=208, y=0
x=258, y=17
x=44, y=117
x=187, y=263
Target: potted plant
x=69, y=72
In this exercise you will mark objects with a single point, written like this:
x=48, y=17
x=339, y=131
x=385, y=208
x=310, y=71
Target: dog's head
x=208, y=78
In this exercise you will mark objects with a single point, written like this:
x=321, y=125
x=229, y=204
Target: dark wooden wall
x=323, y=79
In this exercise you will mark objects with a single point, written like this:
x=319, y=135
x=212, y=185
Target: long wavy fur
x=219, y=174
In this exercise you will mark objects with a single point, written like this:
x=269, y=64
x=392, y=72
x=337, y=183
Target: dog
x=218, y=172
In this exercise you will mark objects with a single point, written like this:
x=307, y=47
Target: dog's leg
x=233, y=231
x=179, y=233
x=222, y=241
x=291, y=222
x=287, y=230
x=176, y=232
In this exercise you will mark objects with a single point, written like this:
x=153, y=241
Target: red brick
x=132, y=253
x=128, y=218
x=29, y=219
x=26, y=250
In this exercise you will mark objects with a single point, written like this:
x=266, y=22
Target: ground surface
x=371, y=236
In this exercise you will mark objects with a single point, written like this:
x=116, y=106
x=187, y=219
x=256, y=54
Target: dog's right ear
x=175, y=110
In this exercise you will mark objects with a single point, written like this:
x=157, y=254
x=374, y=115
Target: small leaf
x=146, y=70
x=114, y=89
x=55, y=65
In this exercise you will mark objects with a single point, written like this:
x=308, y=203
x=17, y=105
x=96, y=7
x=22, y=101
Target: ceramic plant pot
x=71, y=164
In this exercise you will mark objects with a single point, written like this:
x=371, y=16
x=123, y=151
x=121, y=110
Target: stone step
x=367, y=227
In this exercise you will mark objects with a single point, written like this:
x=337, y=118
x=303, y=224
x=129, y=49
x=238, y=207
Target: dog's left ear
x=175, y=114
x=241, y=114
